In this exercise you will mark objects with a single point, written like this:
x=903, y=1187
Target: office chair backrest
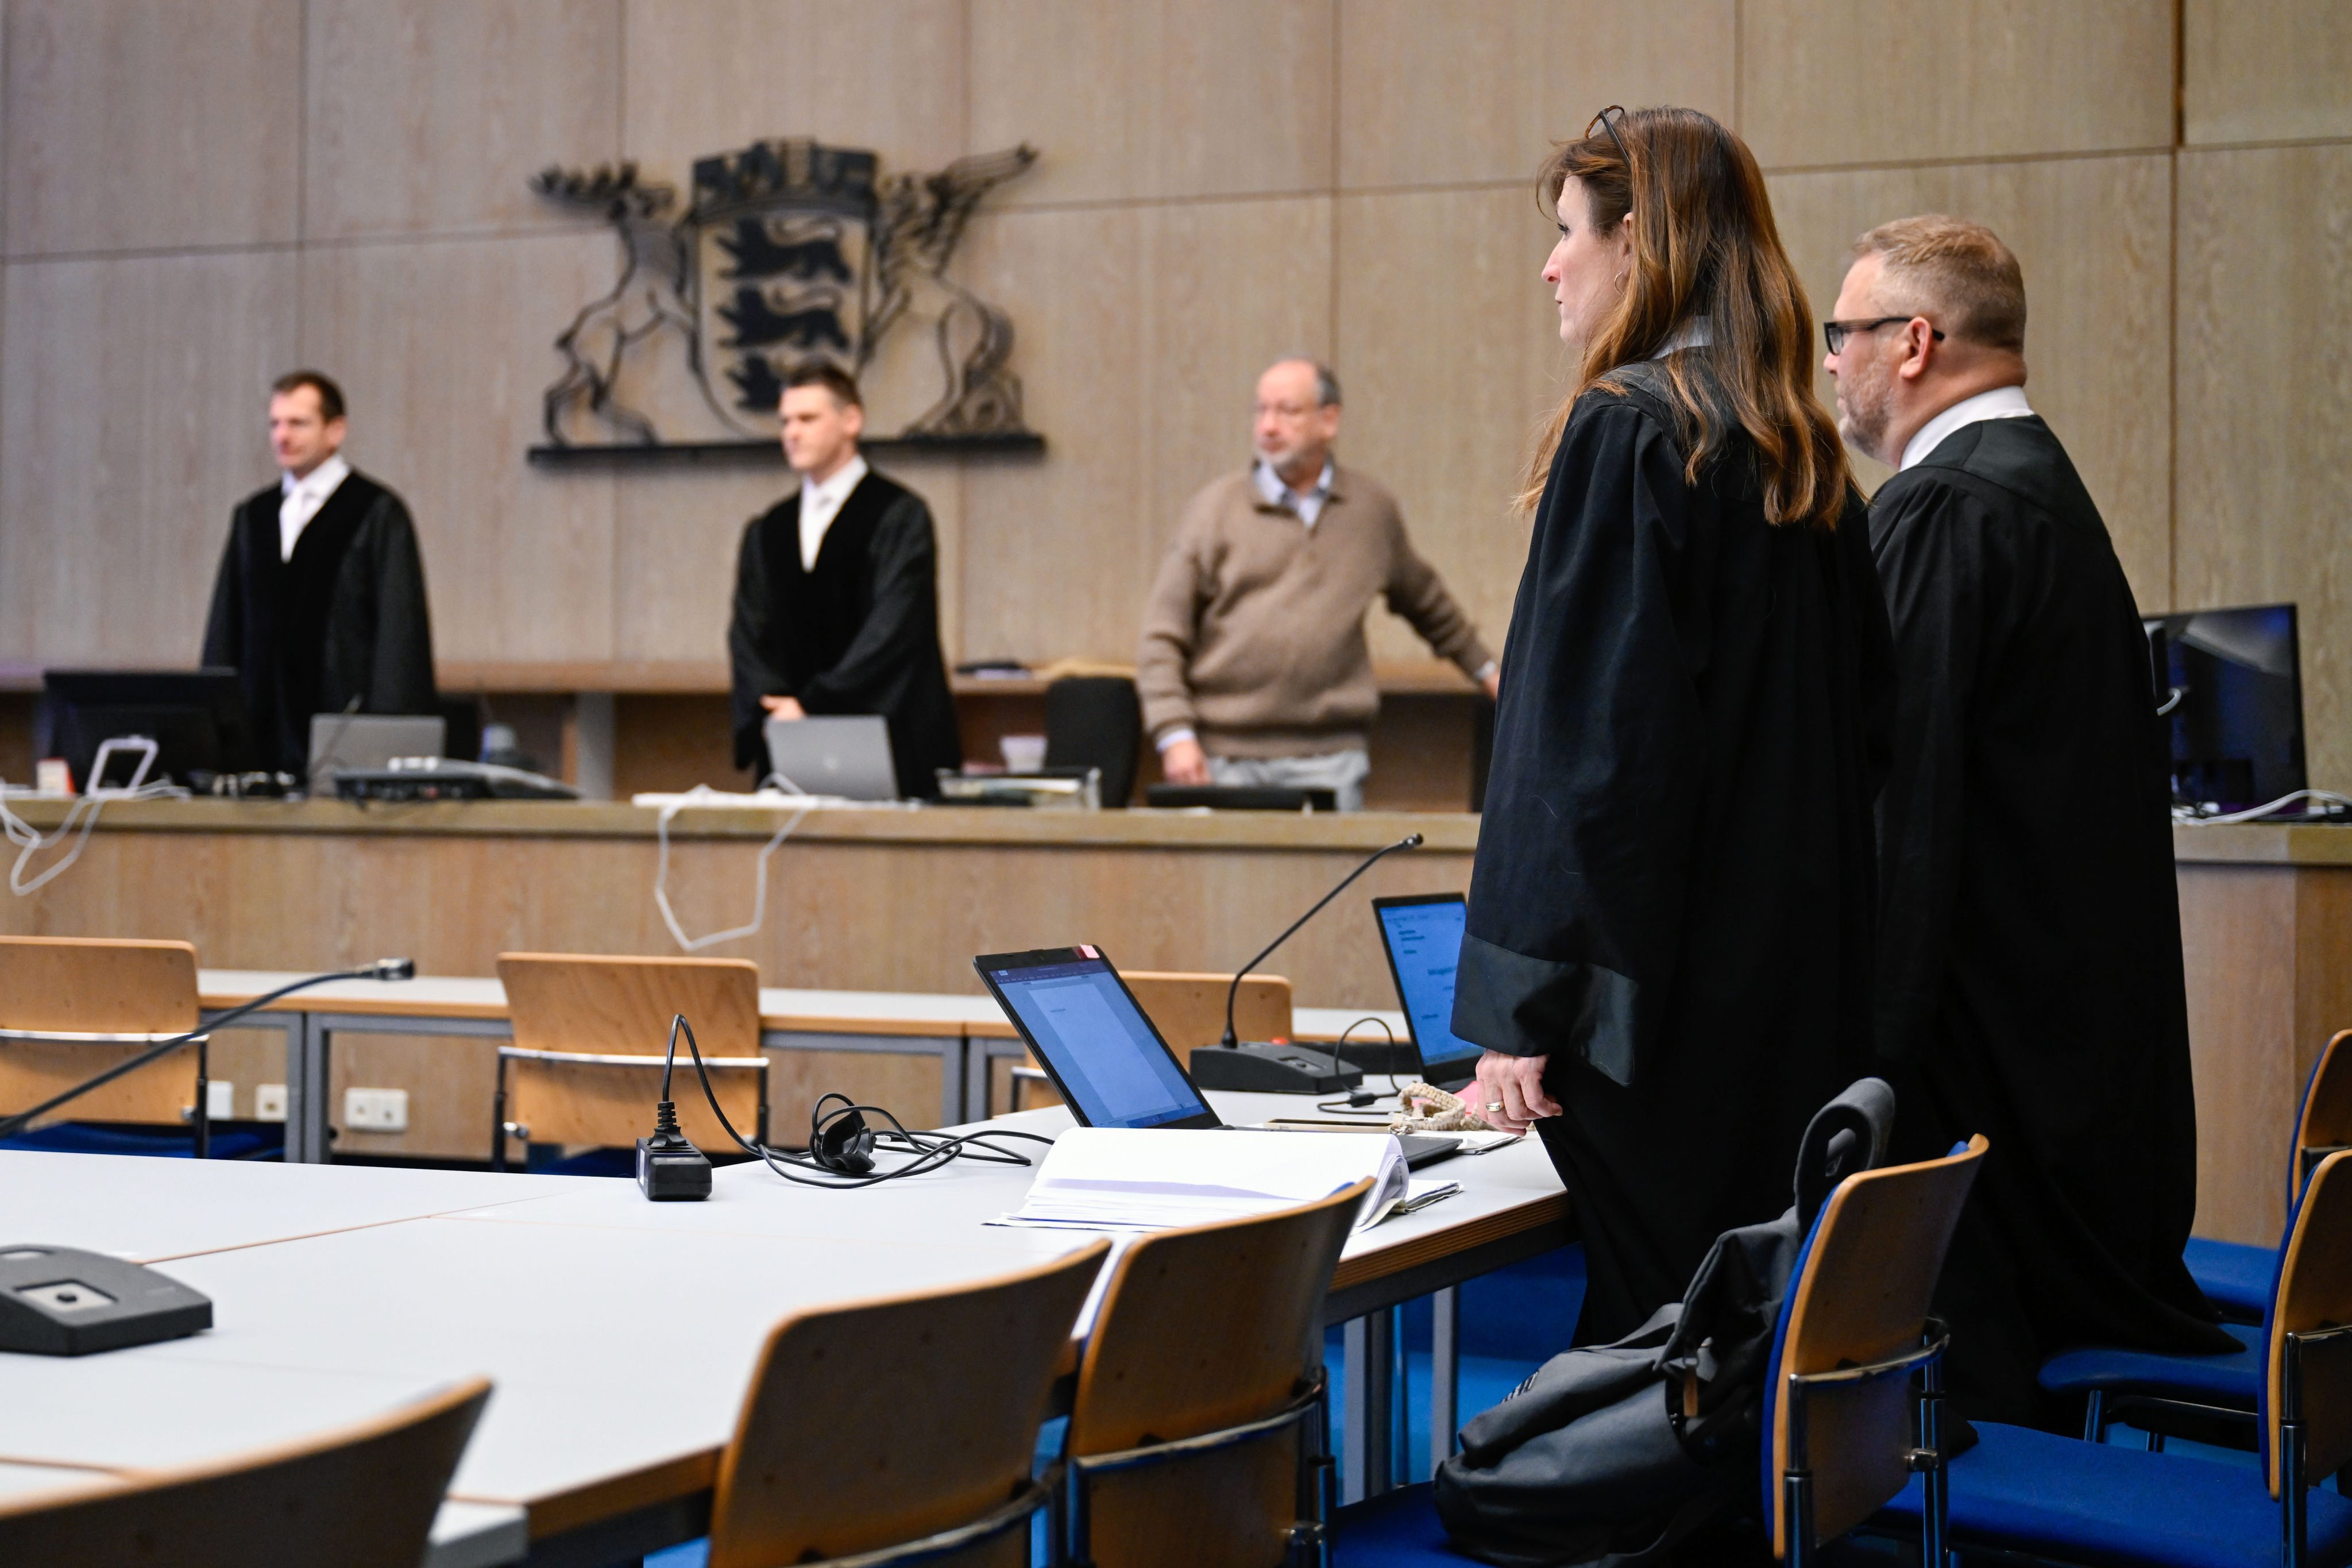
x=1201, y=1329
x=1096, y=721
x=2324, y=1122
x=878, y=1422
x=1860, y=1296
x=2314, y=1291
x=90, y=985
x=578, y=1004
x=364, y=1497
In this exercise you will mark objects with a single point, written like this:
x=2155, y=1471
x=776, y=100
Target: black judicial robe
x=1673, y=898
x=2029, y=979
x=343, y=618
x=860, y=633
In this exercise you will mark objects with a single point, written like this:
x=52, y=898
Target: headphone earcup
x=845, y=1145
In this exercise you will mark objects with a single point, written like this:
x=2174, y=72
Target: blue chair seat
x=2097, y=1503
x=1395, y=1530
x=2233, y=1380
x=2235, y=1278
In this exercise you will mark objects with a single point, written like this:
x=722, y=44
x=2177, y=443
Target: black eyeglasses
x=1836, y=333
x=1602, y=121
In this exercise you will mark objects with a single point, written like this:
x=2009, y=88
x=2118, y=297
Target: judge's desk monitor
x=196, y=719
x=2230, y=685
x=1421, y=936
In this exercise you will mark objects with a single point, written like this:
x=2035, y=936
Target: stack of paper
x=1117, y=1178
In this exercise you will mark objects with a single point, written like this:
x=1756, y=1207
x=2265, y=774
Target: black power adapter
x=670, y=1167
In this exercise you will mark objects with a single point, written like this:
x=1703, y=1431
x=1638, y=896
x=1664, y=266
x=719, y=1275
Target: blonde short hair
x=1961, y=268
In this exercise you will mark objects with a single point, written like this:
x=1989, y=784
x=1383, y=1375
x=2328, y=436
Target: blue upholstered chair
x=2237, y=1277
x=1839, y=1401
x=2065, y=1500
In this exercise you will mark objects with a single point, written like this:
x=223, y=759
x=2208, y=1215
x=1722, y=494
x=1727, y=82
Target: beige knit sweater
x=1254, y=636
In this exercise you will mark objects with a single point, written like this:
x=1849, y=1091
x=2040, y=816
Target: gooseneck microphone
x=1410, y=841
x=382, y=968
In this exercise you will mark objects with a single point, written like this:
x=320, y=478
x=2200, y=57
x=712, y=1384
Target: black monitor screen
x=197, y=717
x=2230, y=684
x=1098, y=1044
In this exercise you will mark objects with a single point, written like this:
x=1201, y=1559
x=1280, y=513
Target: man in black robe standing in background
x=836, y=594
x=319, y=603
x=2030, y=973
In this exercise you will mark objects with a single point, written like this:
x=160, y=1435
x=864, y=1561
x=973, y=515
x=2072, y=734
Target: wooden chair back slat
x=1863, y=1298
x=360, y=1498
x=2325, y=1118
x=88, y=985
x=622, y=1006
x=1199, y=1329
x=877, y=1422
x=2315, y=1292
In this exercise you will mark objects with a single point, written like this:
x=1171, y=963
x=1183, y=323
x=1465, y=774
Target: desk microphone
x=1284, y=1069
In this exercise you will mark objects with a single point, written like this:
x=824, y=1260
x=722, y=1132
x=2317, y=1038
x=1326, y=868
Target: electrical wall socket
x=269, y=1103
x=375, y=1110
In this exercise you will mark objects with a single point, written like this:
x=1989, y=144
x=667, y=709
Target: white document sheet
x=1117, y=1178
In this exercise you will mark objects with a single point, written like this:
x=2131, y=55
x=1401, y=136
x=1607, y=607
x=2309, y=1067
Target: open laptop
x=840, y=754
x=1085, y=1027
x=370, y=741
x=1422, y=938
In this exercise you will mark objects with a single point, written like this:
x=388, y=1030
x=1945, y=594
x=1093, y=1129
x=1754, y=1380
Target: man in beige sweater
x=1253, y=667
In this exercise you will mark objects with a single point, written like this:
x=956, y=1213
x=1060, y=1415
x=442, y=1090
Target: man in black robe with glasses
x=2029, y=982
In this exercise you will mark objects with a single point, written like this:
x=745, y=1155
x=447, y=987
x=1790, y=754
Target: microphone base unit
x=1260, y=1067
x=60, y=1301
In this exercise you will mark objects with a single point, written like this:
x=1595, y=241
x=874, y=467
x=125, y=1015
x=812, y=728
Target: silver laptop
x=355, y=741
x=845, y=754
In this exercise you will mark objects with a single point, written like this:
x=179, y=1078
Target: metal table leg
x=1367, y=1454
x=306, y=1073
x=1444, y=1374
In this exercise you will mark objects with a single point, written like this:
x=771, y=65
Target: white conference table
x=620, y=1334
x=966, y=1032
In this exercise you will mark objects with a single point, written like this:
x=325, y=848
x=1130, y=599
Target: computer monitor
x=1422, y=938
x=1087, y=1030
x=2231, y=683
x=197, y=717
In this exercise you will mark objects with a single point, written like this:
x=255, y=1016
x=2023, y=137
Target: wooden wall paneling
x=1439, y=95
x=2092, y=236
x=2265, y=396
x=673, y=741
x=716, y=75
x=432, y=114
x=1449, y=351
x=2238, y=935
x=907, y=1085
x=676, y=541
x=450, y=1081
x=2265, y=70
x=147, y=125
x=1421, y=749
x=1156, y=99
x=1055, y=553
x=133, y=403
x=442, y=348
x=1871, y=81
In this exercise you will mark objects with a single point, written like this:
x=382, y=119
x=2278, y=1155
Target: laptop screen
x=1101, y=1049
x=1423, y=937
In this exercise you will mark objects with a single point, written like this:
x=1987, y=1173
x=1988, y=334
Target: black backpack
x=1608, y=1455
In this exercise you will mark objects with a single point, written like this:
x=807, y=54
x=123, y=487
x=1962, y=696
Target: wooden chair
x=902, y=1427
x=589, y=1037
x=1197, y=1433
x=360, y=1498
x=1188, y=1010
x=2235, y=1276
x=1853, y=1332
x=73, y=1006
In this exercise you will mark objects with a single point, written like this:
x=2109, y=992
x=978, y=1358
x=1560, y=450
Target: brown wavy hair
x=1703, y=244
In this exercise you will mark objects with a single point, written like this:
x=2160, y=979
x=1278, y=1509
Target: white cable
x=702, y=794
x=2190, y=813
x=82, y=812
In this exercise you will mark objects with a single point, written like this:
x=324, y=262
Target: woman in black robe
x=1668, y=955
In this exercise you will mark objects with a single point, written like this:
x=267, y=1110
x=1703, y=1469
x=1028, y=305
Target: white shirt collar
x=300, y=500
x=2000, y=403
x=1695, y=333
x=821, y=503
x=1275, y=492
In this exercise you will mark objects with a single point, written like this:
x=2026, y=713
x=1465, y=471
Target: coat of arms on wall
x=787, y=250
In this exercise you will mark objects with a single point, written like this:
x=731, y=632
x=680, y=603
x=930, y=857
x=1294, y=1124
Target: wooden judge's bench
x=901, y=899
